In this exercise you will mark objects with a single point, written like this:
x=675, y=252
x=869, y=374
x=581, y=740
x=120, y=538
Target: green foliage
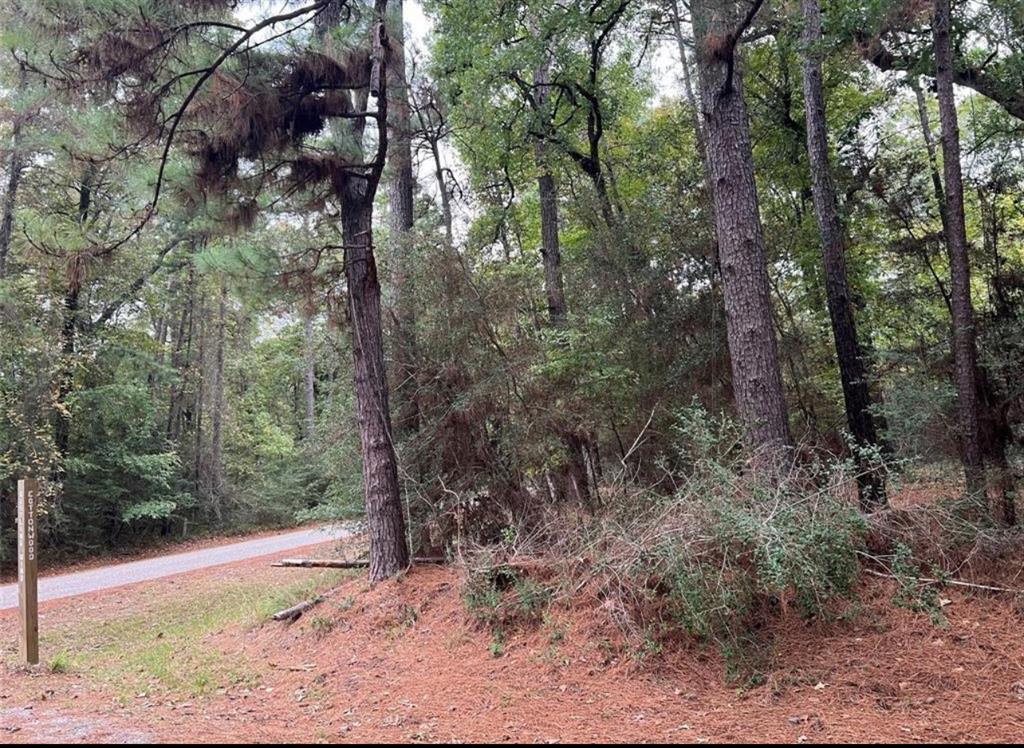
x=125, y=341
x=503, y=599
x=911, y=592
x=60, y=663
x=149, y=510
x=728, y=551
x=118, y=473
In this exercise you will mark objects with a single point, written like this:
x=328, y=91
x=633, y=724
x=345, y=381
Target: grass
x=163, y=649
x=60, y=663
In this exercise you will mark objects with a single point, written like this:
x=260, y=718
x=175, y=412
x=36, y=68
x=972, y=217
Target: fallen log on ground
x=293, y=613
x=321, y=563
x=339, y=563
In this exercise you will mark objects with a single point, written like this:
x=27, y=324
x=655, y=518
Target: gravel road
x=106, y=577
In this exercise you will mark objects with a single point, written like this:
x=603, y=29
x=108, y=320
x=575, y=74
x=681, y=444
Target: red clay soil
x=404, y=662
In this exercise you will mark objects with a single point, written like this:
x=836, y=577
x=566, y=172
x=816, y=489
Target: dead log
x=293, y=613
x=321, y=563
x=338, y=563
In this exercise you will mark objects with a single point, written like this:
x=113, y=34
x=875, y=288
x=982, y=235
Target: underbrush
x=504, y=597
x=712, y=561
x=731, y=549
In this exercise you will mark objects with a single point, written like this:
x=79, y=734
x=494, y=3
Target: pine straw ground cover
x=406, y=661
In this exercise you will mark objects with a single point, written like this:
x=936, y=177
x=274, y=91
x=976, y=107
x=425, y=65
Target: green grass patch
x=163, y=650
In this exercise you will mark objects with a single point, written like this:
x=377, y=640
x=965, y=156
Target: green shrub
x=503, y=598
x=729, y=549
x=61, y=663
x=911, y=592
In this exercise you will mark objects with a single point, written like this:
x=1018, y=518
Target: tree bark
x=964, y=347
x=309, y=375
x=852, y=370
x=550, y=251
x=401, y=219
x=929, y=144
x=389, y=550
x=216, y=492
x=15, y=169
x=757, y=378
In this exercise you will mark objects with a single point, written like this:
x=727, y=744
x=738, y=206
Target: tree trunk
x=691, y=97
x=217, y=417
x=852, y=370
x=68, y=345
x=757, y=378
x=442, y=188
x=964, y=350
x=389, y=550
x=929, y=143
x=551, y=255
x=401, y=219
x=70, y=322
x=181, y=356
x=15, y=169
x=201, y=468
x=575, y=481
x=309, y=375
x=699, y=133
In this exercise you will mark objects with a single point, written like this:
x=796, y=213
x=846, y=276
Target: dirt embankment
x=404, y=662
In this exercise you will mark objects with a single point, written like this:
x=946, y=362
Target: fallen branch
x=321, y=563
x=951, y=582
x=293, y=668
x=338, y=563
x=293, y=613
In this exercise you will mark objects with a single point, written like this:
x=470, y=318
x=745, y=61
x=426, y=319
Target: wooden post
x=28, y=571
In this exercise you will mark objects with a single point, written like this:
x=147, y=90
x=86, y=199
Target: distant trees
x=229, y=116
x=593, y=255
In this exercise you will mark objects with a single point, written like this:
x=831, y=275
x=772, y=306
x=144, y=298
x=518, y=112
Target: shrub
x=504, y=598
x=714, y=559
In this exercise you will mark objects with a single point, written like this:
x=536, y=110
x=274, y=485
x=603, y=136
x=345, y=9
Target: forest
x=714, y=304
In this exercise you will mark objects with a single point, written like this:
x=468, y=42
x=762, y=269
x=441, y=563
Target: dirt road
x=106, y=577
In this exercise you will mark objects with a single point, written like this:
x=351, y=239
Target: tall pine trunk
x=852, y=370
x=389, y=550
x=575, y=480
x=757, y=378
x=964, y=347
x=401, y=219
x=309, y=375
x=70, y=323
x=550, y=251
x=15, y=168
x=216, y=469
